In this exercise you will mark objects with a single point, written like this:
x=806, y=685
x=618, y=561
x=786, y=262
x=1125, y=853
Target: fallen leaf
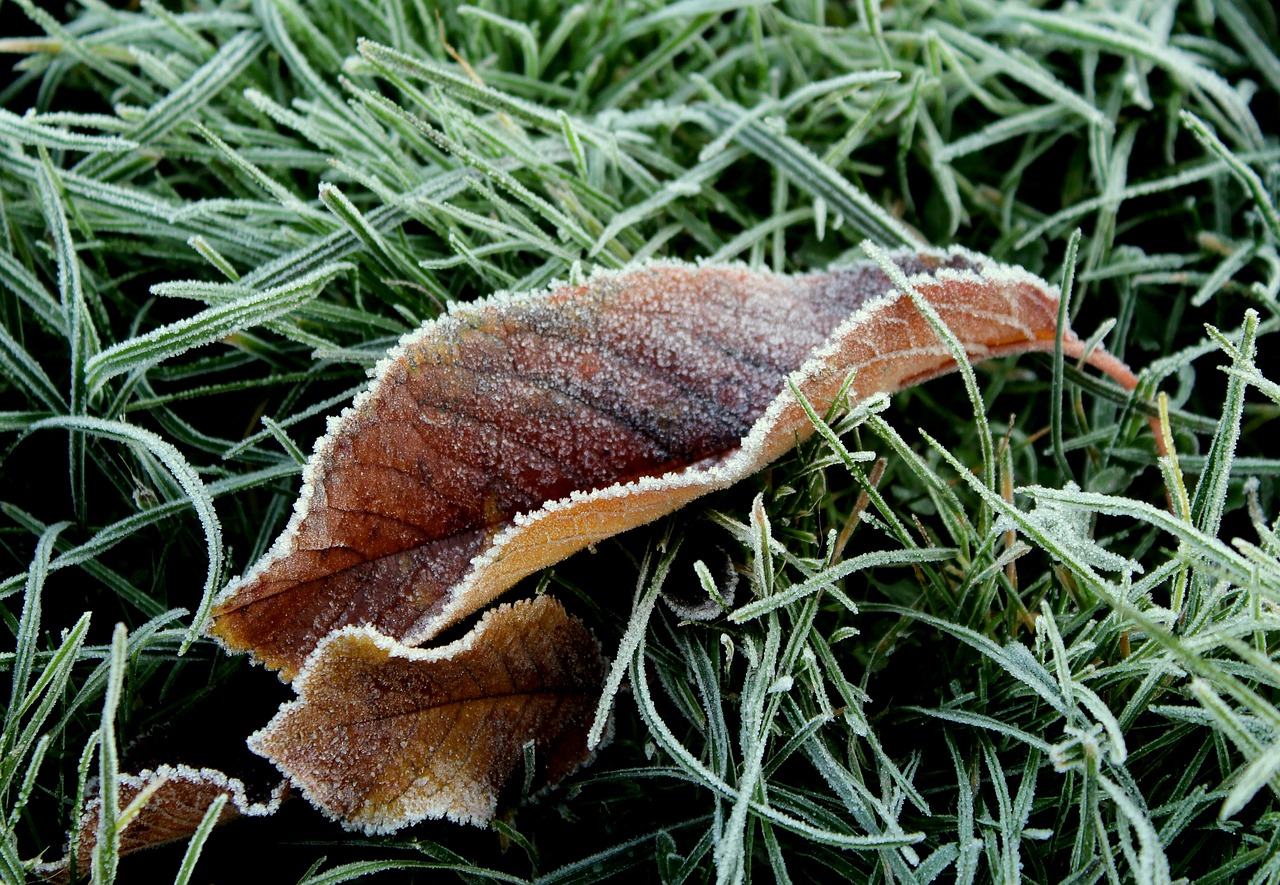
x=383, y=735
x=179, y=799
x=519, y=429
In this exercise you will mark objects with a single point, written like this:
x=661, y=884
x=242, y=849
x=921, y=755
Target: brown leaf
x=515, y=431
x=174, y=810
x=383, y=735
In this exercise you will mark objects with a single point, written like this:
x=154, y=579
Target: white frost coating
x=233, y=786
x=235, y=789
x=393, y=647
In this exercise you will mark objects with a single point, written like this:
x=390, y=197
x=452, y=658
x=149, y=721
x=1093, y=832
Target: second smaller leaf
x=383, y=735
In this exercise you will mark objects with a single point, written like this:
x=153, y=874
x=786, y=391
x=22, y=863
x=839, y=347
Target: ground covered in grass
x=216, y=216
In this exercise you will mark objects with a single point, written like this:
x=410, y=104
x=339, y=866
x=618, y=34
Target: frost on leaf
x=383, y=735
x=179, y=799
x=517, y=430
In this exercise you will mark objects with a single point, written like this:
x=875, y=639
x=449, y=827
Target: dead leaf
x=180, y=797
x=519, y=429
x=383, y=735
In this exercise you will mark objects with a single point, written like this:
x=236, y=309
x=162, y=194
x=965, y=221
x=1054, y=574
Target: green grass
x=215, y=217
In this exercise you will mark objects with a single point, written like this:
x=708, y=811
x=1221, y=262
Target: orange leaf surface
x=517, y=430
x=383, y=735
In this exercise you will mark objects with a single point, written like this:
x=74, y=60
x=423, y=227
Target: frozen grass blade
x=732, y=848
x=687, y=185
x=828, y=577
x=390, y=60
x=1252, y=183
x=198, y=838
x=213, y=256
x=19, y=738
x=27, y=131
x=82, y=338
x=140, y=353
x=86, y=554
x=1217, y=555
x=1064, y=305
x=178, y=105
x=1178, y=63
x=1154, y=186
x=1151, y=867
x=1224, y=272
x=814, y=177
x=1209, y=500
x=32, y=293
x=697, y=771
x=900, y=282
x=192, y=486
x=1023, y=70
x=22, y=748
x=1248, y=31
x=65, y=41
x=23, y=370
x=761, y=545
x=646, y=597
x=29, y=625
x=273, y=188
x=1039, y=119
x=106, y=850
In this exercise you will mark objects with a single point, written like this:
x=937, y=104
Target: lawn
x=217, y=217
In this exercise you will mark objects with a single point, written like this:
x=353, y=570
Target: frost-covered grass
x=215, y=217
